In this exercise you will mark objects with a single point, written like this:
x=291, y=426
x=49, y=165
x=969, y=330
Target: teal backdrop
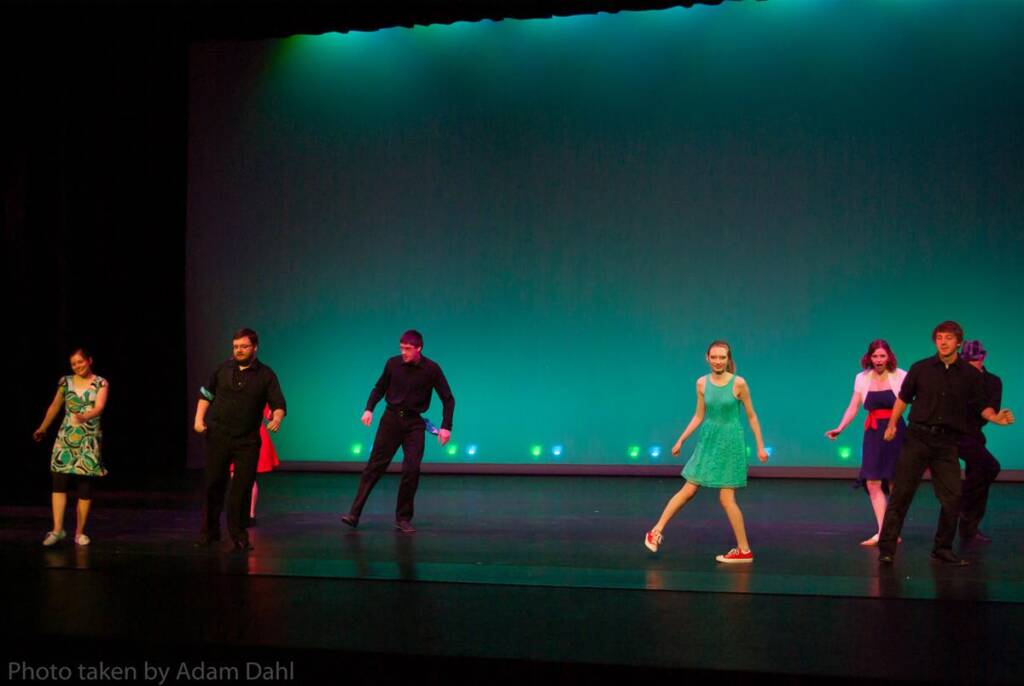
x=571, y=209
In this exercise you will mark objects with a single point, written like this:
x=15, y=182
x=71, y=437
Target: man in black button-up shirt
x=406, y=384
x=943, y=391
x=229, y=413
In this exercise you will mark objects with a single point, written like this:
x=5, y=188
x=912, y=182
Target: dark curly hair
x=865, y=362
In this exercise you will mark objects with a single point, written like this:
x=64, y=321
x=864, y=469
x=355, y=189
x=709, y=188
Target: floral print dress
x=77, y=448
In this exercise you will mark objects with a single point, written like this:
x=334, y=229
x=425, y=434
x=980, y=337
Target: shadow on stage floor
x=510, y=577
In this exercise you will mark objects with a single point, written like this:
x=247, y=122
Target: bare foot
x=871, y=541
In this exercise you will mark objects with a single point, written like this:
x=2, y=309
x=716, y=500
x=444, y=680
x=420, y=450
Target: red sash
x=874, y=416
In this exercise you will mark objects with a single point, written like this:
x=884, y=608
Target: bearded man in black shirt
x=944, y=392
x=229, y=413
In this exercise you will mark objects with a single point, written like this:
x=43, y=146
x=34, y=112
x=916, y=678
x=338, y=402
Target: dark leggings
x=61, y=482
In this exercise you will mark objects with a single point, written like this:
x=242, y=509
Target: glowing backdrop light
x=570, y=209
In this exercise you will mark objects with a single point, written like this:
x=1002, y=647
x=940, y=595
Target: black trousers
x=921, y=451
x=220, y=455
x=982, y=468
x=394, y=431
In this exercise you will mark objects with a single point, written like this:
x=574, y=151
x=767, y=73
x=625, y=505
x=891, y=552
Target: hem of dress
x=862, y=482
x=74, y=473
x=710, y=485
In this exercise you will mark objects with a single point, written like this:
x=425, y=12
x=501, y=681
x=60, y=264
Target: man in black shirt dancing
x=943, y=391
x=229, y=413
x=406, y=384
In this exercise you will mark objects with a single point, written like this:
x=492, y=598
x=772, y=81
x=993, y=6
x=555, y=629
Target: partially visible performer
x=267, y=462
x=876, y=388
x=720, y=458
x=406, y=385
x=77, y=451
x=229, y=412
x=943, y=391
x=982, y=467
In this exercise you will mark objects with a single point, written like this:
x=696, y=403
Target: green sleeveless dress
x=720, y=458
x=77, y=448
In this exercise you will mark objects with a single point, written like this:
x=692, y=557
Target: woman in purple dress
x=876, y=389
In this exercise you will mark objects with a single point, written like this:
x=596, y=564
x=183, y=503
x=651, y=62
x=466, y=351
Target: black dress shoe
x=351, y=520
x=885, y=559
x=405, y=526
x=947, y=557
x=241, y=543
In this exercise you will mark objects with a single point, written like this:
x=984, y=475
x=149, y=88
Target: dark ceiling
x=252, y=19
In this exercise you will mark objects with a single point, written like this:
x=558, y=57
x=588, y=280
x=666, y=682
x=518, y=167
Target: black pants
x=982, y=468
x=220, y=455
x=921, y=451
x=393, y=431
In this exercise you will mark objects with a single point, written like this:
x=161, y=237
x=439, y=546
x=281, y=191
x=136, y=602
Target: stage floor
x=538, y=571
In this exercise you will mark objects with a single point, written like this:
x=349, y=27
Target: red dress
x=268, y=456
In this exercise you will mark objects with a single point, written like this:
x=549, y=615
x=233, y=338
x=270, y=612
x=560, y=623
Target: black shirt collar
x=958, y=362
x=255, y=366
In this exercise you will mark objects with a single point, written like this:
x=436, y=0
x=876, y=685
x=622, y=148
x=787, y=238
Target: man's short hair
x=412, y=337
x=247, y=333
x=949, y=326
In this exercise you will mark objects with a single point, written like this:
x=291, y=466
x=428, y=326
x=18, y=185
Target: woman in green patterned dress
x=76, y=452
x=720, y=458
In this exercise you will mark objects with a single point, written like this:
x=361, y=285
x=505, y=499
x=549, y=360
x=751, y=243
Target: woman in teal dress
x=76, y=452
x=720, y=458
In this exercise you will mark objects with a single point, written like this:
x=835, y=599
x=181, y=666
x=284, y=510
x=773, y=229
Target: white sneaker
x=54, y=537
x=652, y=540
x=82, y=539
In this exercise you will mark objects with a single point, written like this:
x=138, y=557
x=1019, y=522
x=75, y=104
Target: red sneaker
x=652, y=540
x=736, y=556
